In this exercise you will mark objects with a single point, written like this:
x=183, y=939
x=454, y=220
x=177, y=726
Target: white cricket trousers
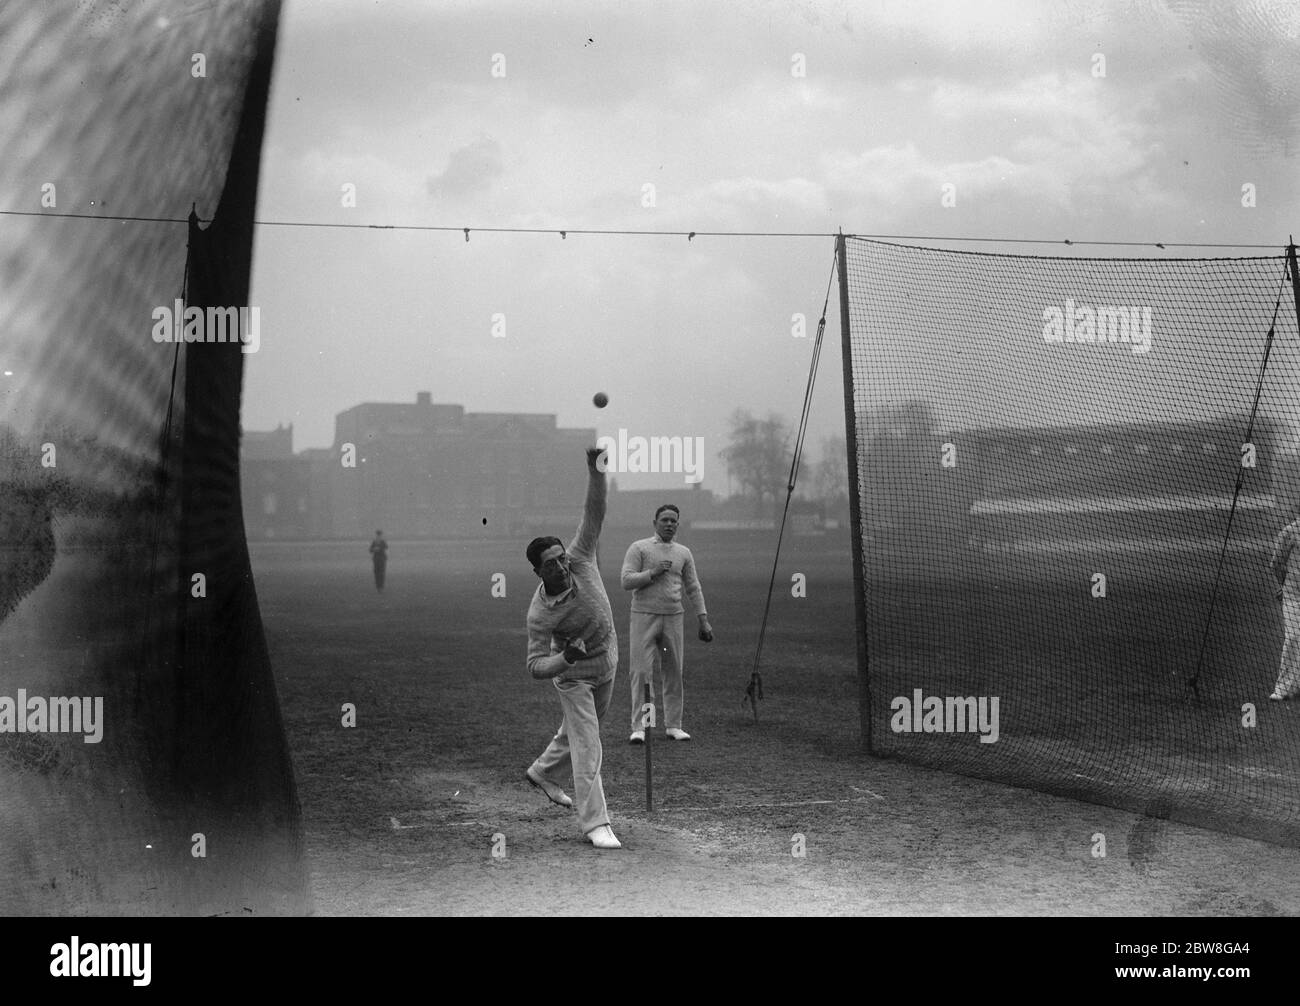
x=576, y=749
x=651, y=634
x=1288, y=676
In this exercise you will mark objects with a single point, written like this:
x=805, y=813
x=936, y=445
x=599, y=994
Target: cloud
x=1076, y=140
x=748, y=202
x=470, y=169
x=1064, y=143
x=310, y=185
x=887, y=184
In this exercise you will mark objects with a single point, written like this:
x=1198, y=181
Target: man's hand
x=593, y=456
x=706, y=631
x=664, y=566
x=574, y=650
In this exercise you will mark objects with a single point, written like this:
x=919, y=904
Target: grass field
x=402, y=812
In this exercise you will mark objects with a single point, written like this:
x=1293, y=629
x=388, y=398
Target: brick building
x=275, y=485
x=418, y=470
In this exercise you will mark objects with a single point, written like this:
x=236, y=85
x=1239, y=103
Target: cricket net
x=1068, y=475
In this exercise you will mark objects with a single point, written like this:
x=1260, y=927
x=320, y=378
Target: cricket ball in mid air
x=600, y=400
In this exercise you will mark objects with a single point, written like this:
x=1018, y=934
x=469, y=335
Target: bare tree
x=758, y=457
x=831, y=478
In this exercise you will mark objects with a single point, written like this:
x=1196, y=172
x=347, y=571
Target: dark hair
x=379, y=532
x=539, y=545
x=668, y=506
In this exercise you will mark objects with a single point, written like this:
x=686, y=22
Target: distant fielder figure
x=1285, y=565
x=571, y=639
x=379, y=555
x=656, y=569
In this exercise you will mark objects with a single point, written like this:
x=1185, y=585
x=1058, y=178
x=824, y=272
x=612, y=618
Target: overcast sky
x=597, y=101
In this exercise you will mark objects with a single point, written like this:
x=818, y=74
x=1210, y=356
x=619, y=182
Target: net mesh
x=1070, y=475
x=115, y=487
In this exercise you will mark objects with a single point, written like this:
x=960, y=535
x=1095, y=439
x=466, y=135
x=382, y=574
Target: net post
x=855, y=509
x=649, y=785
x=1295, y=284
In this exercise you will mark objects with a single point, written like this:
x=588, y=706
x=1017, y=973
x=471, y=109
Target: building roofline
x=1096, y=429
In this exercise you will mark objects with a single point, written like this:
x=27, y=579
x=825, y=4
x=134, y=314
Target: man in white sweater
x=656, y=569
x=572, y=642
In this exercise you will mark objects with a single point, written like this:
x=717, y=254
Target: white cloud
x=309, y=186
x=470, y=170
x=1049, y=140
x=747, y=203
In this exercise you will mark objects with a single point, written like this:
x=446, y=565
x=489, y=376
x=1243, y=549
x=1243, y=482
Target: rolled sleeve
x=541, y=662
x=548, y=667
